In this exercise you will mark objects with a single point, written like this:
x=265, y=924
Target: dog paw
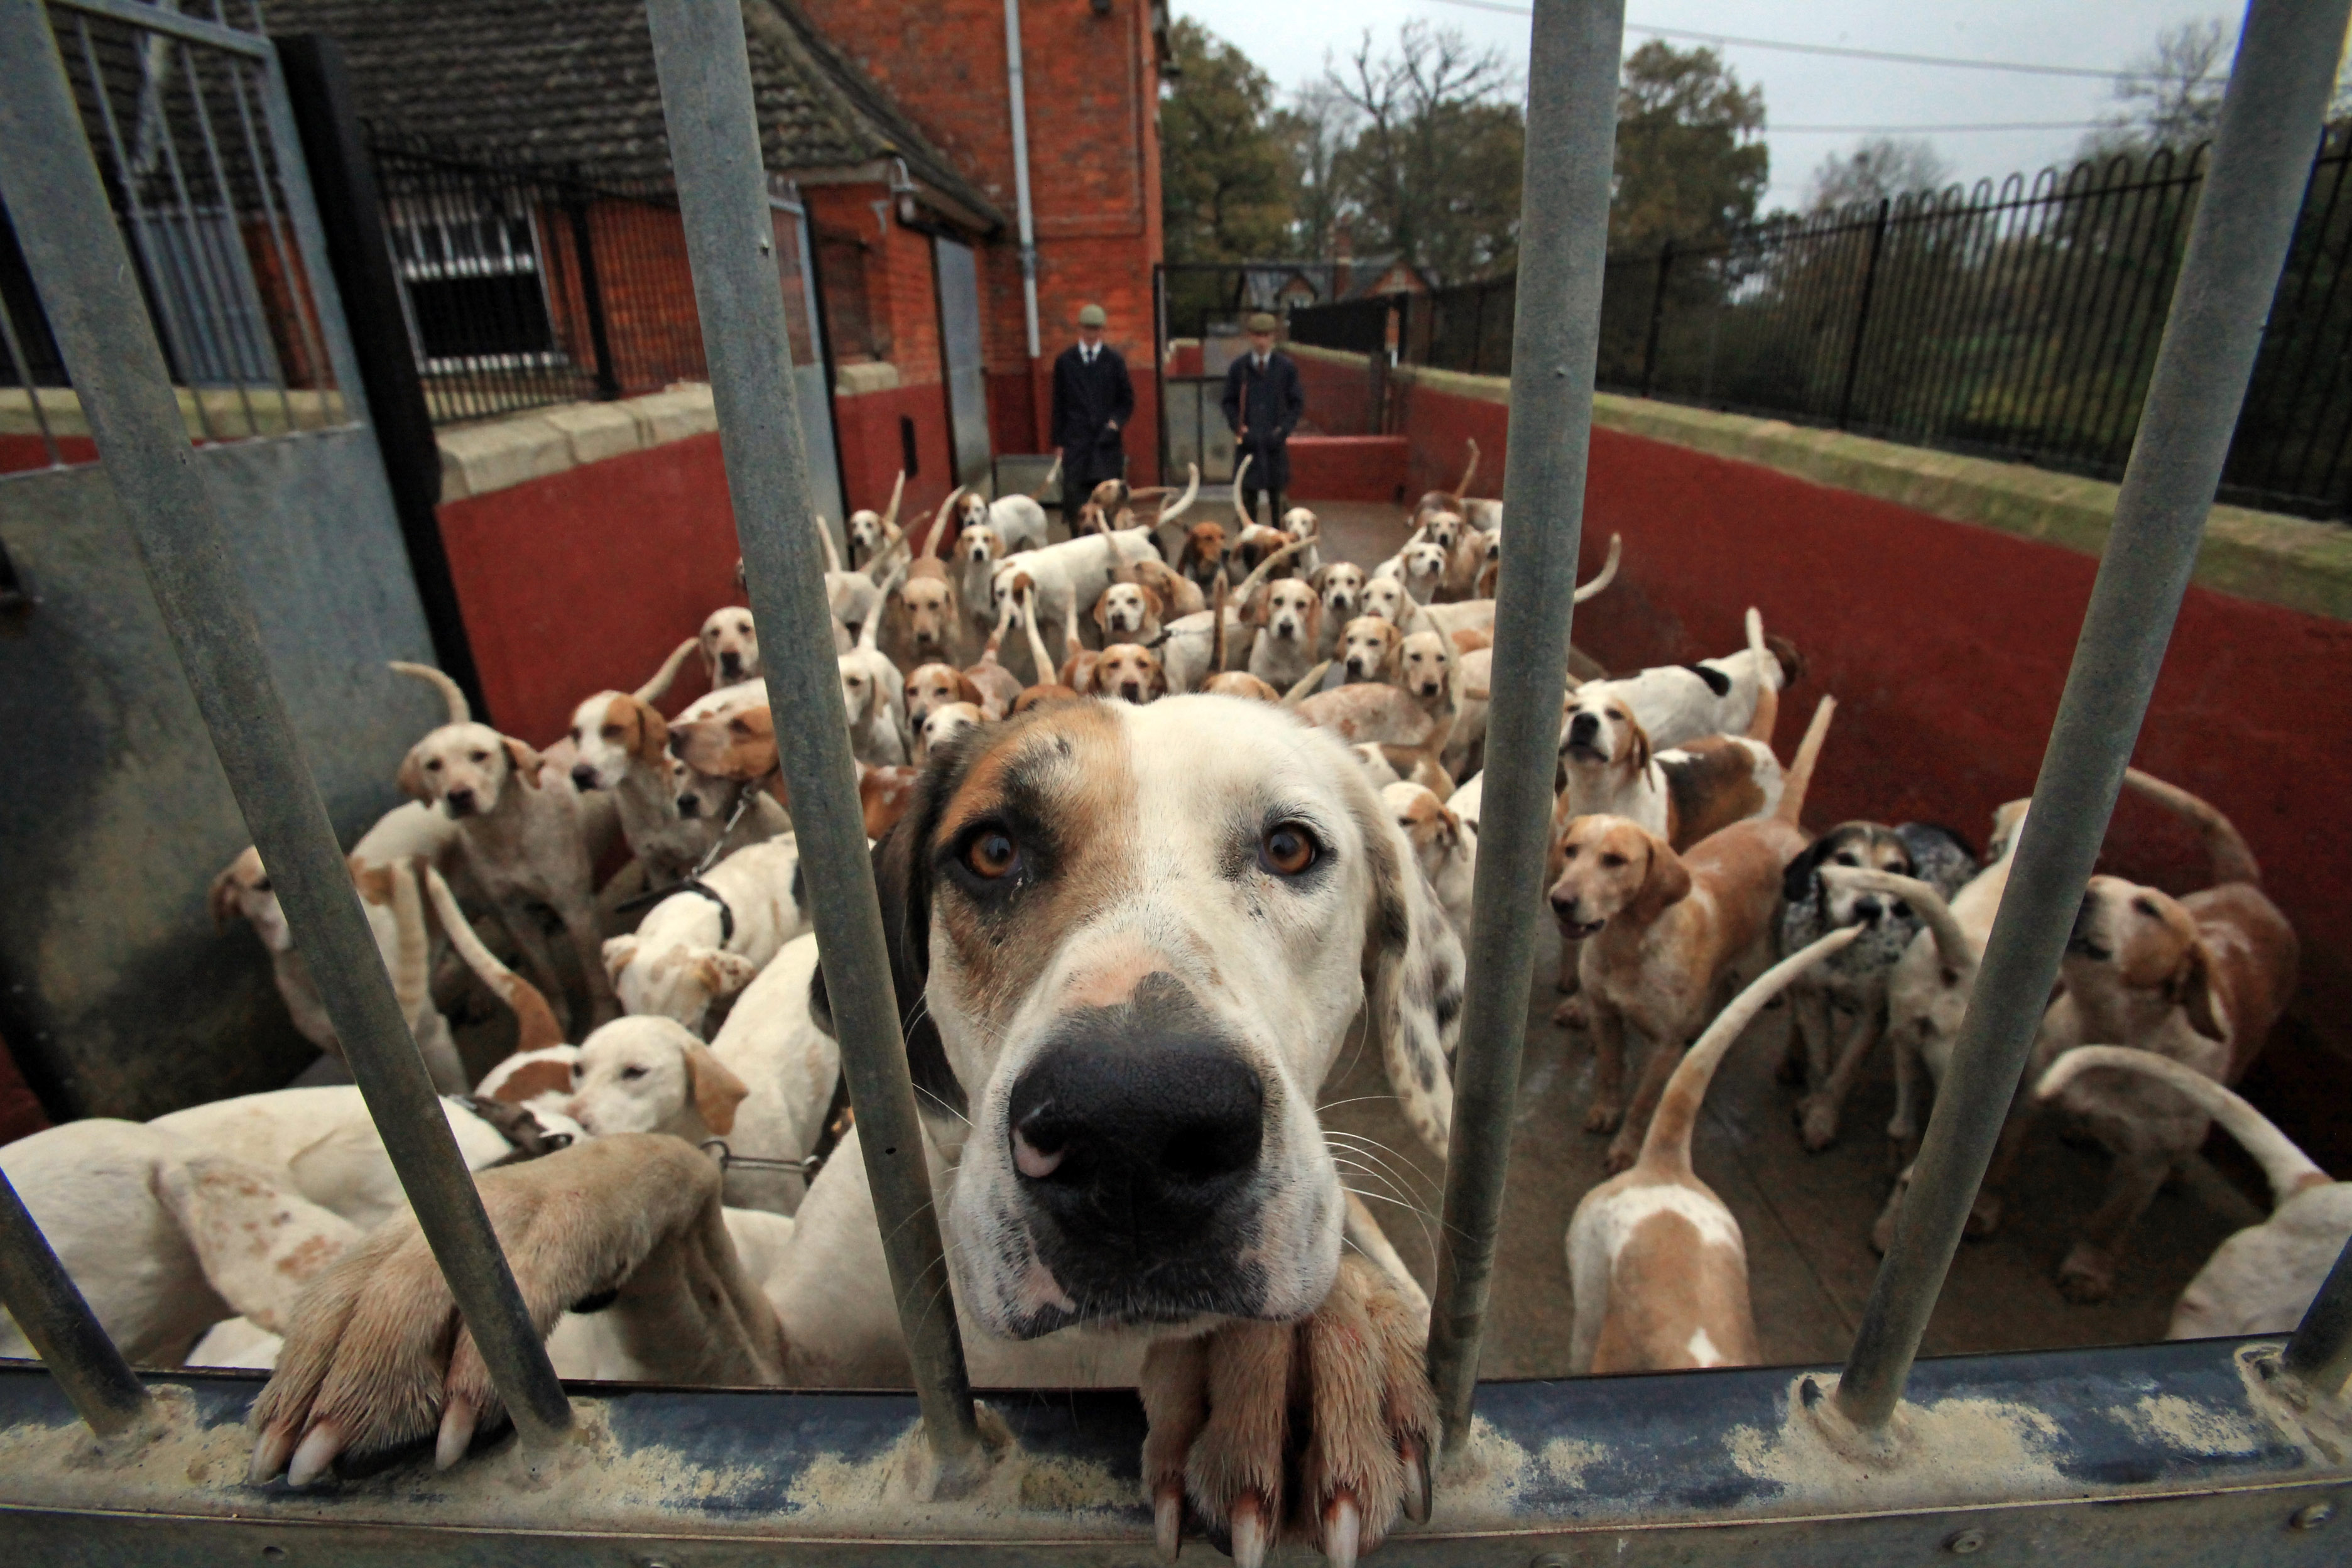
x=1604, y=1116
x=1817, y=1122
x=2088, y=1275
x=1320, y=1431
x=1623, y=1149
x=1572, y=1015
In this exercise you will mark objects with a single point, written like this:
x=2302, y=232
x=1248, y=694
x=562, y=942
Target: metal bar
x=252, y=331
x=81, y=273
x=263, y=179
x=2321, y=1351
x=64, y=1332
x=1657, y=317
x=32, y=391
x=1862, y=313
x=1564, y=238
x=2278, y=89
x=592, y=298
x=216, y=293
x=706, y=81
x=170, y=24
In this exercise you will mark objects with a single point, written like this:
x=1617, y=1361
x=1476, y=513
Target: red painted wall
x=1339, y=396
x=872, y=450
x=1348, y=468
x=586, y=580
x=1947, y=645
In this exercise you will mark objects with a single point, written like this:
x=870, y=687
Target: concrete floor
x=1806, y=1218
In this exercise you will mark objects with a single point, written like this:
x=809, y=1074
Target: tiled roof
x=572, y=82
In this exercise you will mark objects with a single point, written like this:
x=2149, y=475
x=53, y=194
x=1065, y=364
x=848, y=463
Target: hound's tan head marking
x=1426, y=664
x=1130, y=673
x=1869, y=846
x=1604, y=866
x=979, y=545
x=731, y=647
x=1443, y=529
x=932, y=686
x=1341, y=583
x=1131, y=941
x=1369, y=647
x=1129, y=610
x=930, y=606
x=2133, y=956
x=1205, y=548
x=1598, y=727
x=243, y=889
x=612, y=732
x=464, y=769
x=1385, y=598
x=1294, y=612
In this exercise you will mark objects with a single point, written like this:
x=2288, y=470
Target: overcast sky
x=1290, y=39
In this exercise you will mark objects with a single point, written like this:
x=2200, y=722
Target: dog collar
x=726, y=911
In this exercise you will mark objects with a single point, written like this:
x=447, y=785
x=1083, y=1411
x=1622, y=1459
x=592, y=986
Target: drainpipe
x=1021, y=170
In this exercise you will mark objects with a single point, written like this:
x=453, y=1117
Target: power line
x=1771, y=130
x=1887, y=55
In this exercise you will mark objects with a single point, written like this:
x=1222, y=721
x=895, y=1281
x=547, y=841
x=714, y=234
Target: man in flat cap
x=1093, y=400
x=1262, y=402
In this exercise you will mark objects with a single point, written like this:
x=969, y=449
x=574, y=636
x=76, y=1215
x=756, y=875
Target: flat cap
x=1263, y=321
x=1092, y=316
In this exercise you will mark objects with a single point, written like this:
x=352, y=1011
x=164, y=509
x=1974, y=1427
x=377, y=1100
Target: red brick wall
x=871, y=448
x=1094, y=160
x=1346, y=468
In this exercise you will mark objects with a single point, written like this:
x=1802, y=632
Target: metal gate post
x=66, y=1334
x=1657, y=317
x=592, y=297
x=1564, y=228
x=705, y=83
x=1862, y=312
x=2270, y=118
x=84, y=278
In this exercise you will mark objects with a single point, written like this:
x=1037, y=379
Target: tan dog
x=1656, y=1261
x=1179, y=594
x=1289, y=621
x=1680, y=794
x=1417, y=712
x=1202, y=559
x=730, y=646
x=1129, y=672
x=870, y=532
x=930, y=687
x=1663, y=931
x=1369, y=648
x=1130, y=612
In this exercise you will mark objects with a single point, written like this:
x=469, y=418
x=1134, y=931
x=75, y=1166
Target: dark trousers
x=1250, y=491
x=1079, y=480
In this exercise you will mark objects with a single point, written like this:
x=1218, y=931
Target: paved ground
x=1806, y=1218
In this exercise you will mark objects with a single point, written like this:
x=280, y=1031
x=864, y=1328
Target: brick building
x=895, y=123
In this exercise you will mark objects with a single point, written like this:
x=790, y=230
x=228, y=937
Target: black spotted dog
x=1847, y=993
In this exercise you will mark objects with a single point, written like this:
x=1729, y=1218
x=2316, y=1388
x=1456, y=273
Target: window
x=472, y=279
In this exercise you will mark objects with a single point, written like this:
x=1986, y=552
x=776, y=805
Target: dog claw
x=1343, y=1532
x=1168, y=1518
x=317, y=1450
x=269, y=1454
x=456, y=1432
x=1250, y=1531
x=1416, y=1483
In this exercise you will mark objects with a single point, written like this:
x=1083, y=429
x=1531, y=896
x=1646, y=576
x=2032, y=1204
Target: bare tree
x=1316, y=129
x=2171, y=95
x=1436, y=165
x=1879, y=168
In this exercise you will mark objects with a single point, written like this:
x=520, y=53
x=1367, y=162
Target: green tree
x=1689, y=168
x=1224, y=174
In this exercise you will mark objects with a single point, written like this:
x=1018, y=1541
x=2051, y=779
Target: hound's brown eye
x=1288, y=850
x=262, y=885
x=1613, y=861
x=2146, y=907
x=992, y=855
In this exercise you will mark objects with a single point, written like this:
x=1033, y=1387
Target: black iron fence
x=525, y=285
x=2018, y=320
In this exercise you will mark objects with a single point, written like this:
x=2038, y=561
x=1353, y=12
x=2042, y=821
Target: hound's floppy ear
x=716, y=1090
x=968, y=690
x=618, y=952
x=1159, y=674
x=1637, y=750
x=902, y=880
x=723, y=974
x=2191, y=986
x=653, y=735
x=1412, y=971
x=411, y=776
x=1797, y=881
x=1101, y=613
x=221, y=899
x=1153, y=602
x=526, y=762
x=1668, y=880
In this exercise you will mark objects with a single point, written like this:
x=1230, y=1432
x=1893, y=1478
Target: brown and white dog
x=1657, y=1263
x=1289, y=622
x=2262, y=1279
x=1417, y=712
x=730, y=646
x=1179, y=595
x=1128, y=672
x=869, y=532
x=1122, y=935
x=1662, y=931
x=1130, y=612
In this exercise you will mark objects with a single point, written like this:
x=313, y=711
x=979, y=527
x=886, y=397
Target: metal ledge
x=2028, y=1452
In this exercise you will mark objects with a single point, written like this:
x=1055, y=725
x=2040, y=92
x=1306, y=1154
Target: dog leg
x=1608, y=1107
x=1903, y=1127
x=588, y=949
x=376, y=1356
x=1656, y=1068
x=530, y=942
x=1817, y=1113
x=1354, y=1371
x=1571, y=953
x=2088, y=1274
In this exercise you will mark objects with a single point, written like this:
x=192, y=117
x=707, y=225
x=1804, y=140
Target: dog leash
x=693, y=883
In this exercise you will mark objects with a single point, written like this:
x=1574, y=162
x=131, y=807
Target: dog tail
x=2232, y=861
x=1046, y=670
x=1800, y=771
x=824, y=537
x=535, y=1025
x=460, y=711
x=1184, y=502
x=412, y=977
x=1306, y=685
x=1256, y=579
x=1052, y=474
x=1953, y=949
x=654, y=691
x=1665, y=1147
x=1608, y=571
x=940, y=524
x=1217, y=629
x=1469, y=469
x=989, y=654
x=890, y=515
x=1239, y=473
x=1792, y=663
x=2289, y=1170
x=1767, y=716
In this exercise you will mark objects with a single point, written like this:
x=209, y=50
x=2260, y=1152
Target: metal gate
x=812, y=362
x=967, y=382
x=2202, y=1451
x=118, y=816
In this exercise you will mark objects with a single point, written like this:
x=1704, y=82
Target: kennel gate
x=2211, y=1451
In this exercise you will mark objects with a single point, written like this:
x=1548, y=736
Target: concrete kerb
x=495, y=455
x=2290, y=562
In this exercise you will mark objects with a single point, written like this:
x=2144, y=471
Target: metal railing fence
x=2018, y=320
x=2239, y=239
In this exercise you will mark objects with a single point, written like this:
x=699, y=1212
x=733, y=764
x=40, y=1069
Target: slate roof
x=572, y=82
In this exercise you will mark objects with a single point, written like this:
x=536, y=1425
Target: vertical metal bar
x=592, y=298
x=1564, y=237
x=32, y=391
x=217, y=293
x=257, y=334
x=2278, y=89
x=2321, y=1351
x=706, y=82
x=80, y=272
x=1862, y=313
x=1657, y=317
x=64, y=1332
x=263, y=181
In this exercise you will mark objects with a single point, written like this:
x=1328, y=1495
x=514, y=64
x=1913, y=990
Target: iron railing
x=2225, y=1448
x=2017, y=320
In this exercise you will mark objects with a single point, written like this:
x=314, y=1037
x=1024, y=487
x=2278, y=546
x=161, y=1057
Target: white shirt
x=1087, y=352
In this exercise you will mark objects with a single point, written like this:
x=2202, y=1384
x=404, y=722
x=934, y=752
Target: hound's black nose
x=1868, y=908
x=1136, y=1122
x=1583, y=729
x=730, y=665
x=584, y=778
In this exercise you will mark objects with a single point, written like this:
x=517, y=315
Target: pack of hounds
x=1138, y=901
